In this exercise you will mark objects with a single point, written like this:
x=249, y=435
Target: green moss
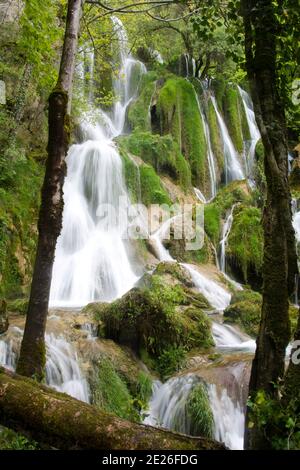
x=245, y=241
x=152, y=191
x=10, y=440
x=138, y=114
x=163, y=153
x=233, y=109
x=157, y=318
x=245, y=311
x=199, y=412
x=216, y=210
x=110, y=392
x=171, y=360
x=18, y=305
x=132, y=176
x=178, y=112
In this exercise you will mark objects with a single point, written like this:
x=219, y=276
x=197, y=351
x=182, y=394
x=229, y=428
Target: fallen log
x=58, y=420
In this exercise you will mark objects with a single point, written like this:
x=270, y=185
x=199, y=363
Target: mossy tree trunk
x=55, y=419
x=280, y=265
x=32, y=355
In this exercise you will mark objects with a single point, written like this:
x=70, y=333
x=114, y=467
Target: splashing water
x=228, y=339
x=233, y=168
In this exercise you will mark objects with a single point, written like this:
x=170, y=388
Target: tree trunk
x=280, y=262
x=32, y=355
x=63, y=422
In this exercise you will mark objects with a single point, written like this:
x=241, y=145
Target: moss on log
x=63, y=422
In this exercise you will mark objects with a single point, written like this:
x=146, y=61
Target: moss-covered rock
x=245, y=244
x=179, y=116
x=199, y=412
x=294, y=178
x=163, y=153
x=245, y=311
x=18, y=306
x=3, y=317
x=10, y=440
x=214, y=212
x=234, y=114
x=138, y=112
x=110, y=392
x=152, y=190
x=152, y=319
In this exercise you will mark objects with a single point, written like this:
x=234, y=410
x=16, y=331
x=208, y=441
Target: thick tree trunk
x=63, y=422
x=280, y=262
x=32, y=355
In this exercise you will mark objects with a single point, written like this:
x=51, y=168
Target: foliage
x=152, y=191
x=171, y=360
x=10, y=440
x=200, y=413
x=110, y=392
x=279, y=421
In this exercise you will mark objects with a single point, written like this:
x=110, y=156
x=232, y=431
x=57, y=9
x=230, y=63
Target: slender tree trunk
x=32, y=355
x=61, y=421
x=280, y=262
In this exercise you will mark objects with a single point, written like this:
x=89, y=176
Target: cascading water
x=233, y=168
x=210, y=154
x=62, y=370
x=225, y=234
x=229, y=418
x=253, y=129
x=91, y=261
x=229, y=339
x=168, y=409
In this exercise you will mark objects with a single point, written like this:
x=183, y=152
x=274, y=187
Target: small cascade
x=229, y=339
x=168, y=409
x=210, y=154
x=296, y=220
x=91, y=260
x=218, y=297
x=229, y=418
x=254, y=132
x=225, y=234
x=168, y=405
x=233, y=168
x=62, y=369
x=200, y=196
x=7, y=355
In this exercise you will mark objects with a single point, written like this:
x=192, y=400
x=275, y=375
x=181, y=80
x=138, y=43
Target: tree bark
x=32, y=355
x=280, y=262
x=63, y=422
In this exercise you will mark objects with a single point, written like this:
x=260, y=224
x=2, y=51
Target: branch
x=56, y=419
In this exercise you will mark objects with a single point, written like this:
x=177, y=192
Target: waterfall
x=168, y=409
x=210, y=155
x=254, y=132
x=229, y=418
x=62, y=370
x=91, y=260
x=225, y=234
x=229, y=339
x=233, y=168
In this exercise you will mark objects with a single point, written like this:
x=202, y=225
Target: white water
x=229, y=418
x=229, y=339
x=225, y=234
x=210, y=154
x=233, y=168
x=254, y=131
x=168, y=409
x=200, y=196
x=62, y=369
x=91, y=261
